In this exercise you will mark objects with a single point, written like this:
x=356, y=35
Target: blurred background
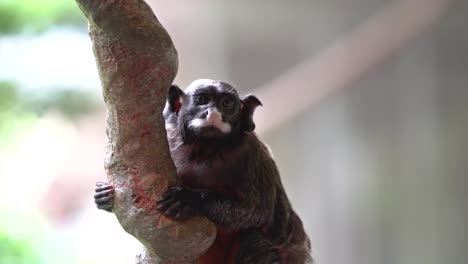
x=365, y=108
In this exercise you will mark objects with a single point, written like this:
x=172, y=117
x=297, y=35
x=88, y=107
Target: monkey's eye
x=228, y=104
x=201, y=99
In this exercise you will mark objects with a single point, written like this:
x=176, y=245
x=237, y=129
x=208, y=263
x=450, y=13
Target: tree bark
x=137, y=63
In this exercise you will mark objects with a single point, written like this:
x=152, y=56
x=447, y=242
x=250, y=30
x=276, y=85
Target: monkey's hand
x=104, y=196
x=180, y=203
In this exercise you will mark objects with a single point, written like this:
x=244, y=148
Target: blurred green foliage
x=14, y=251
x=12, y=119
x=35, y=16
x=26, y=238
x=20, y=237
x=72, y=103
x=19, y=110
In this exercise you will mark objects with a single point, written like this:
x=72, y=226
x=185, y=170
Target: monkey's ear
x=248, y=105
x=174, y=98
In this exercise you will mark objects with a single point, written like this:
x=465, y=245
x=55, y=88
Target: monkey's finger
x=105, y=193
x=166, y=197
x=183, y=214
x=174, y=189
x=104, y=188
x=163, y=199
x=101, y=184
x=104, y=201
x=107, y=208
x=173, y=192
x=104, y=206
x=164, y=204
x=173, y=209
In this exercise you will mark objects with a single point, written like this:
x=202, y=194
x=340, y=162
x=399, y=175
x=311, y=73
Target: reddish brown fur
x=223, y=250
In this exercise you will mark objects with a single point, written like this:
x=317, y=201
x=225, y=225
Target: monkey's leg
x=255, y=249
x=104, y=196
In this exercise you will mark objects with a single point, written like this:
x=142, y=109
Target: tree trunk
x=137, y=63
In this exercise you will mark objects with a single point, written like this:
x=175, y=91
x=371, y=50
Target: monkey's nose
x=214, y=116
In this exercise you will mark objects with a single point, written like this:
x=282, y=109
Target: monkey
x=226, y=173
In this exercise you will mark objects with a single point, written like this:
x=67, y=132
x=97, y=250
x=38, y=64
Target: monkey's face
x=210, y=110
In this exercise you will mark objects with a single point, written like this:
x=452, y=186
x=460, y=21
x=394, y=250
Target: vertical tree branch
x=137, y=63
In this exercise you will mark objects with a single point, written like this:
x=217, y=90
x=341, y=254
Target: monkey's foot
x=104, y=196
x=180, y=203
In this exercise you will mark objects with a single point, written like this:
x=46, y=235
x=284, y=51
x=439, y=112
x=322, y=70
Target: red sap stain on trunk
x=146, y=130
x=140, y=197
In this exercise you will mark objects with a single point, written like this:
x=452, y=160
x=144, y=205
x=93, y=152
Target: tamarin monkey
x=228, y=175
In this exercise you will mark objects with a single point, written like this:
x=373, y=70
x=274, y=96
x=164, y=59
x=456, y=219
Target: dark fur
x=233, y=180
x=230, y=178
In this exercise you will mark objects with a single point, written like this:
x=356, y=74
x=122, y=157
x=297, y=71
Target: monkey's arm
x=252, y=206
x=249, y=202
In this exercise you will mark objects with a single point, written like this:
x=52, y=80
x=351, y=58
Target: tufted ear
x=248, y=105
x=174, y=98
